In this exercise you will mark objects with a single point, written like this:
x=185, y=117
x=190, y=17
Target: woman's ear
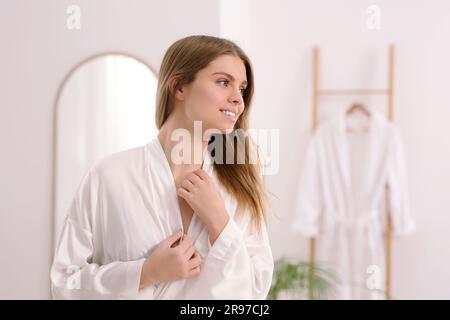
x=180, y=93
x=176, y=89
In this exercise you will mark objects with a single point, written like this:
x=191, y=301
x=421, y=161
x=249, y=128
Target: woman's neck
x=189, y=160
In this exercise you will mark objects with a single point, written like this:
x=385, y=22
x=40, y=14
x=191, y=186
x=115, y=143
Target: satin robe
x=342, y=200
x=124, y=207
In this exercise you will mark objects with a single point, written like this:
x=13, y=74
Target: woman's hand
x=170, y=263
x=200, y=192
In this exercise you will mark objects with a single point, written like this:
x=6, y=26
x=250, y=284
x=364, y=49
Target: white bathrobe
x=124, y=207
x=342, y=199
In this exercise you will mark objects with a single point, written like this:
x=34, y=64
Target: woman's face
x=215, y=97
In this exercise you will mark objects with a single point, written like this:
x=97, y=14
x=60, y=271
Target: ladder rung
x=350, y=92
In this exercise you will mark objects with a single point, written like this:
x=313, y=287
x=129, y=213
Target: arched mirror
x=105, y=104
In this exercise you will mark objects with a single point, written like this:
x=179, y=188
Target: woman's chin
x=227, y=129
x=223, y=128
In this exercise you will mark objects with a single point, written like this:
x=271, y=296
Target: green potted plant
x=306, y=279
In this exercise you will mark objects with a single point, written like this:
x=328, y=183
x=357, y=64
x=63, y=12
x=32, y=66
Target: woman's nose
x=237, y=98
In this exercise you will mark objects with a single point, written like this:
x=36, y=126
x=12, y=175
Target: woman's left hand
x=200, y=192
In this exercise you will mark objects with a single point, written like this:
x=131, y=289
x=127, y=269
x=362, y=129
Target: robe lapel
x=169, y=209
x=342, y=150
x=163, y=187
x=166, y=192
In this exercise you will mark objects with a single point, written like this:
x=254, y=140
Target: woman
x=145, y=226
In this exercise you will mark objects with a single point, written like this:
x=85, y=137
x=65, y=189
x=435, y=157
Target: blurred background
x=66, y=99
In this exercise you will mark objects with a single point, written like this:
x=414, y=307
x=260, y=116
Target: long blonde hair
x=180, y=64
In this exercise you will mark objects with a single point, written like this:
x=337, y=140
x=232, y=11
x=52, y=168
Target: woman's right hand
x=168, y=263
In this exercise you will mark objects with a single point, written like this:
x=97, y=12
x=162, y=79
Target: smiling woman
x=142, y=226
x=212, y=88
x=230, y=112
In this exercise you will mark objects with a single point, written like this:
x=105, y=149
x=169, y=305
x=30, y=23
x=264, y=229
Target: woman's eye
x=225, y=81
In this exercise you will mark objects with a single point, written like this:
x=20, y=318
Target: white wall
x=37, y=51
x=282, y=36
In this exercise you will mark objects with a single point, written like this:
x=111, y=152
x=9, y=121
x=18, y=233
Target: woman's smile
x=230, y=115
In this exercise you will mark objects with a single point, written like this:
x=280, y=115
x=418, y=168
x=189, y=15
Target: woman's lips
x=229, y=114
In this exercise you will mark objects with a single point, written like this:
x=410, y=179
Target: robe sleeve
x=73, y=274
x=308, y=208
x=398, y=189
x=239, y=265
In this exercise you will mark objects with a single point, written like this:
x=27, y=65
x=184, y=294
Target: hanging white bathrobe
x=124, y=207
x=342, y=199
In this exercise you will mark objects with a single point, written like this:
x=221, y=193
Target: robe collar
x=164, y=185
x=376, y=123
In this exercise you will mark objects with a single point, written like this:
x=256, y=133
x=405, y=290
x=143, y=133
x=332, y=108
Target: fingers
x=187, y=184
x=191, y=181
x=190, y=252
x=194, y=178
x=185, y=244
x=184, y=193
x=196, y=261
x=194, y=272
x=194, y=265
x=202, y=174
x=174, y=238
